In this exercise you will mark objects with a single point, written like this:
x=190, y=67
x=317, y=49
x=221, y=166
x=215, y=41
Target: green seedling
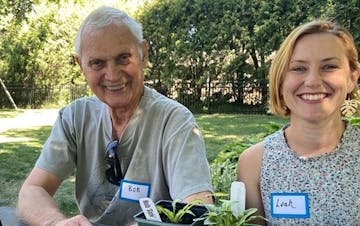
x=175, y=215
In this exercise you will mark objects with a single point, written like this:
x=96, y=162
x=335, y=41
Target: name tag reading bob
x=290, y=205
x=133, y=190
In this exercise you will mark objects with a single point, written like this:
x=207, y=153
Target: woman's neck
x=309, y=139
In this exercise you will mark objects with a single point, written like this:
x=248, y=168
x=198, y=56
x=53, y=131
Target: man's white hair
x=104, y=16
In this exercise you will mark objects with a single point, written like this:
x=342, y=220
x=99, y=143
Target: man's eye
x=123, y=59
x=96, y=64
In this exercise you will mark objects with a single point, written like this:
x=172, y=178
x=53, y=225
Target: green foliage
x=192, y=43
x=222, y=215
x=355, y=121
x=40, y=52
x=223, y=167
x=222, y=175
x=345, y=12
x=175, y=215
x=15, y=9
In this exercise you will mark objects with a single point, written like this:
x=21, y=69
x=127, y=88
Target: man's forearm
x=205, y=197
x=37, y=207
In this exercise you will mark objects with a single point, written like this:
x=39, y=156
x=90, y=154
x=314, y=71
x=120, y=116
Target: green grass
x=17, y=158
x=221, y=129
x=18, y=155
x=10, y=113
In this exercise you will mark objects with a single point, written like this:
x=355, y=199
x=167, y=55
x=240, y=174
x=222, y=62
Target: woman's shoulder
x=249, y=164
x=252, y=157
x=253, y=152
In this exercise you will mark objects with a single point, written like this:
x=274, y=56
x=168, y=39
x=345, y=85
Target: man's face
x=113, y=63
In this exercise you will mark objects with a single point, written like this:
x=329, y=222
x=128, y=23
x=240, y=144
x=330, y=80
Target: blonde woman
x=307, y=173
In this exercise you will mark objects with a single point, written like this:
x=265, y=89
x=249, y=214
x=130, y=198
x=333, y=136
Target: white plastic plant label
x=149, y=209
x=237, y=197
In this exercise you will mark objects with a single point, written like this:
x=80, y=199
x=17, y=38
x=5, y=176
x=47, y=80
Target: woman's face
x=318, y=78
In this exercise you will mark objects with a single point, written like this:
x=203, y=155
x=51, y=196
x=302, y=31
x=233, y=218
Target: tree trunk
x=8, y=94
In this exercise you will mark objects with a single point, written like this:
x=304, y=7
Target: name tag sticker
x=133, y=190
x=290, y=205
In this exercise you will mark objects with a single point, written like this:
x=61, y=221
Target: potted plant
x=231, y=212
x=174, y=213
x=223, y=215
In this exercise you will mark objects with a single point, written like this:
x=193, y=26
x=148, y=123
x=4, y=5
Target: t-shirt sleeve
x=58, y=155
x=187, y=166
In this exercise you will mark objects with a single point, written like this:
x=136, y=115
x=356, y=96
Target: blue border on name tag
x=307, y=206
x=134, y=182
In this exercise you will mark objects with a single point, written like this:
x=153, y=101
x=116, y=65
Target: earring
x=349, y=106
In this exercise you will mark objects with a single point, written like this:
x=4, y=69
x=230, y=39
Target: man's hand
x=78, y=220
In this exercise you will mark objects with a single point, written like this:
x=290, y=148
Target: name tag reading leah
x=290, y=205
x=133, y=190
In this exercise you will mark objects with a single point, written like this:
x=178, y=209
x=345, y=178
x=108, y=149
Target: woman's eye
x=329, y=67
x=298, y=69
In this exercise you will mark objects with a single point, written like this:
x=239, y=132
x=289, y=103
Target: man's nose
x=112, y=71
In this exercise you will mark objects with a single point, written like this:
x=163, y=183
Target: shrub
x=223, y=168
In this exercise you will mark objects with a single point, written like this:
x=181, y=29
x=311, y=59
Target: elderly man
x=125, y=143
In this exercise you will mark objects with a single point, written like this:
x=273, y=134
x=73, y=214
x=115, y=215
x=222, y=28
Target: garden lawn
x=222, y=129
x=18, y=155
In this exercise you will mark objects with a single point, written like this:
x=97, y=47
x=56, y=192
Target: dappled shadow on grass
x=17, y=158
x=10, y=113
x=221, y=125
x=222, y=129
x=19, y=150
x=36, y=135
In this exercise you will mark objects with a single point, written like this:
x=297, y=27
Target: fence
x=39, y=96
x=214, y=98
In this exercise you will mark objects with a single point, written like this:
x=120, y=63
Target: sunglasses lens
x=111, y=152
x=110, y=176
x=113, y=174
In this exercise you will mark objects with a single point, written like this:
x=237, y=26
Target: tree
x=39, y=50
x=345, y=13
x=197, y=42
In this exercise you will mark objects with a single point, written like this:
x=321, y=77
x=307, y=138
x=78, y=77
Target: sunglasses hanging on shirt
x=113, y=173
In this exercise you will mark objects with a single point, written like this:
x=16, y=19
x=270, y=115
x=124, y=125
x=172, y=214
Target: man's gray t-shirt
x=161, y=146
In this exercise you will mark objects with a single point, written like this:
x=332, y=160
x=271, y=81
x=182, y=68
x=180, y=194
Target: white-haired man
x=126, y=142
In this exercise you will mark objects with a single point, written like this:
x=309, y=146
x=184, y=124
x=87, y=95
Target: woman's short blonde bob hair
x=281, y=61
